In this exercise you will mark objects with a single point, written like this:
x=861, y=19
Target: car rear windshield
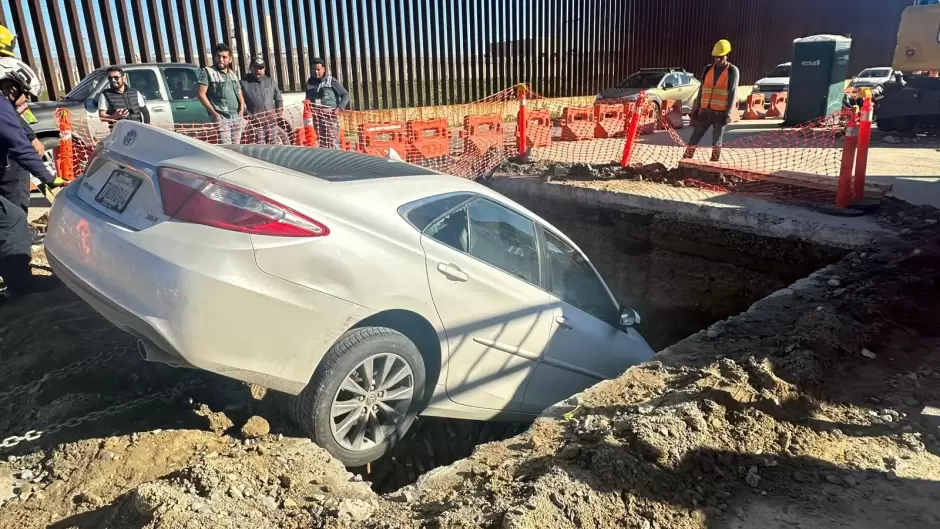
x=328, y=164
x=877, y=72
x=780, y=71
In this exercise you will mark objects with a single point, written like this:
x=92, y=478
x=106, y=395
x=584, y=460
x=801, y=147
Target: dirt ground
x=810, y=410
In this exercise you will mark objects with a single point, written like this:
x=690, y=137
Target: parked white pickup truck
x=172, y=99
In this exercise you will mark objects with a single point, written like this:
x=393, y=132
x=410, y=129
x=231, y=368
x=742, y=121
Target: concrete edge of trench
x=746, y=214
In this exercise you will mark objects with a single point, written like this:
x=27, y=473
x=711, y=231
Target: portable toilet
x=817, y=78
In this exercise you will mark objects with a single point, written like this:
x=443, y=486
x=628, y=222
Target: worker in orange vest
x=715, y=101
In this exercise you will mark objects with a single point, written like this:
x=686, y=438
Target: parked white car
x=370, y=289
x=778, y=81
x=872, y=77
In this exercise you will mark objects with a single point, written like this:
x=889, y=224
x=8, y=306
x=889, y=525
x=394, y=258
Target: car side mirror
x=628, y=317
x=91, y=104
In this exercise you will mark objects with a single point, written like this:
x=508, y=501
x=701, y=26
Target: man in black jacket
x=120, y=101
x=328, y=97
x=263, y=101
x=17, y=81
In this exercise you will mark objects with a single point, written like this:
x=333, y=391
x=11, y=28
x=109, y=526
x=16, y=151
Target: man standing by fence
x=119, y=101
x=221, y=93
x=716, y=100
x=328, y=97
x=263, y=102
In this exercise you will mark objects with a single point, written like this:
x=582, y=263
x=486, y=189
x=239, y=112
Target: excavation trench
x=681, y=273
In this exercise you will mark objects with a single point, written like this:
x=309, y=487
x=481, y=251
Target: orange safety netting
x=475, y=139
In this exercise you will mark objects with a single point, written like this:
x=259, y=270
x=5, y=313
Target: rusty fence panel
x=392, y=53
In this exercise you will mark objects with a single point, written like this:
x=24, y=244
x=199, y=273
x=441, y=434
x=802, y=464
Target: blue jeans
x=230, y=129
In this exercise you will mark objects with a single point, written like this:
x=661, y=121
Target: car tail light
x=190, y=197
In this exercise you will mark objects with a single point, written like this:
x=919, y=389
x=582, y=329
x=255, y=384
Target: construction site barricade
x=577, y=123
x=609, y=120
x=538, y=130
x=754, y=107
x=482, y=133
x=778, y=105
x=428, y=139
x=377, y=138
x=307, y=134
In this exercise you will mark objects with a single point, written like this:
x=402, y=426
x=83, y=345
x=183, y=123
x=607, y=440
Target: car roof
x=130, y=66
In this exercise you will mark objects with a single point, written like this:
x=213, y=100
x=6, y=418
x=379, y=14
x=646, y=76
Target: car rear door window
x=572, y=278
x=423, y=213
x=493, y=234
x=145, y=81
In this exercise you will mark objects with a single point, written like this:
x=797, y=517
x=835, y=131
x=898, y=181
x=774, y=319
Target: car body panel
x=872, y=77
x=266, y=309
x=665, y=84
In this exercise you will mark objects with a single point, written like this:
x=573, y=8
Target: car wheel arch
x=421, y=332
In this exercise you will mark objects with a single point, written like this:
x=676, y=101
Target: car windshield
x=875, y=72
x=782, y=70
x=84, y=89
x=641, y=80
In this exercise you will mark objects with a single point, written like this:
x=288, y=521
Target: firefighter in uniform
x=716, y=100
x=120, y=101
x=17, y=82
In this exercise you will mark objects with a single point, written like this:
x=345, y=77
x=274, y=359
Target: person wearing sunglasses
x=120, y=101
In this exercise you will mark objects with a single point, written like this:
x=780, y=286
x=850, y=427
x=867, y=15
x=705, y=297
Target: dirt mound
x=813, y=409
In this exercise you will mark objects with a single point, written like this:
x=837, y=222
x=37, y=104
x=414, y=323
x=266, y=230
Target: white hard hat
x=19, y=71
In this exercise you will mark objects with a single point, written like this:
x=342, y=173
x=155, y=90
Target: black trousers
x=706, y=119
x=15, y=247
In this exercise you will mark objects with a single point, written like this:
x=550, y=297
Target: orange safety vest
x=715, y=94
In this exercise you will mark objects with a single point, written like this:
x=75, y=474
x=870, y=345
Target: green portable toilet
x=817, y=79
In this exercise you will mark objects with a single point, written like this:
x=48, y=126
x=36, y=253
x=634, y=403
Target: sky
x=350, y=43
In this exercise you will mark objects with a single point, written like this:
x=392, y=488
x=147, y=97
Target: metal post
x=521, y=122
x=844, y=188
x=631, y=127
x=864, y=139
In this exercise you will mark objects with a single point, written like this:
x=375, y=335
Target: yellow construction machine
x=912, y=99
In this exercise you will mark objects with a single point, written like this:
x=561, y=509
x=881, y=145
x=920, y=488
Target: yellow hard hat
x=7, y=42
x=722, y=48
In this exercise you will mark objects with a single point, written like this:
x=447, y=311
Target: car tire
x=329, y=392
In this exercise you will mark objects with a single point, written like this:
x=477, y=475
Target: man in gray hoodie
x=263, y=101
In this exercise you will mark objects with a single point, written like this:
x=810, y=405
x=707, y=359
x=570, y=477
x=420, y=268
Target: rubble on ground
x=773, y=418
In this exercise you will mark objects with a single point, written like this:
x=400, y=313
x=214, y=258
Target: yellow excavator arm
x=918, y=39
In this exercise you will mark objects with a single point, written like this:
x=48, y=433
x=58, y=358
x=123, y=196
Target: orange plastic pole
x=308, y=124
x=849, y=145
x=64, y=164
x=631, y=128
x=864, y=140
x=521, y=121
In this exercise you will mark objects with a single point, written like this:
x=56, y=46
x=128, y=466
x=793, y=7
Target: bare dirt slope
x=806, y=411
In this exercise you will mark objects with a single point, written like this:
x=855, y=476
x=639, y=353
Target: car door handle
x=159, y=109
x=452, y=271
x=563, y=323
x=181, y=107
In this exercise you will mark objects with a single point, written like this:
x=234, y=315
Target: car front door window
x=574, y=281
x=145, y=81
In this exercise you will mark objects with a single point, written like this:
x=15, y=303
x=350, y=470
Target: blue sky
x=350, y=42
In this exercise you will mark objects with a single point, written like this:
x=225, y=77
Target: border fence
x=411, y=53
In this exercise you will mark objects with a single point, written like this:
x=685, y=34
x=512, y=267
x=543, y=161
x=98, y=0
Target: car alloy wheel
x=372, y=401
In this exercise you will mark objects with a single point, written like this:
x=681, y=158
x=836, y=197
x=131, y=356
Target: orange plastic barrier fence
x=577, y=123
x=378, y=138
x=428, y=139
x=538, y=132
x=754, y=107
x=482, y=133
x=778, y=105
x=65, y=168
x=610, y=120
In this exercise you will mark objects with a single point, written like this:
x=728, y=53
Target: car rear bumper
x=196, y=293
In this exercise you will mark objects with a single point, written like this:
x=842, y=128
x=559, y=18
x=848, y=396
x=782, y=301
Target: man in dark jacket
x=119, y=101
x=17, y=81
x=328, y=97
x=263, y=101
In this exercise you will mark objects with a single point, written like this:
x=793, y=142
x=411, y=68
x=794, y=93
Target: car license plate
x=118, y=191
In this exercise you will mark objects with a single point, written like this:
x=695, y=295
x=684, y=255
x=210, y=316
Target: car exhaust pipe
x=151, y=353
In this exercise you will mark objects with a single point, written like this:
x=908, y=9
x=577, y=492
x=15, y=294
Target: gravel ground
x=810, y=410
